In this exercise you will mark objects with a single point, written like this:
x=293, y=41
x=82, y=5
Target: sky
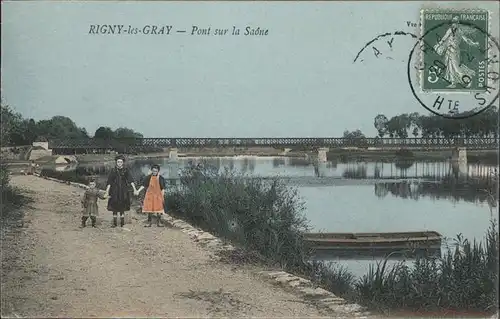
x=297, y=81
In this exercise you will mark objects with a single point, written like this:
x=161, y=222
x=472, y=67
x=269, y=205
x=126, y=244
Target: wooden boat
x=378, y=243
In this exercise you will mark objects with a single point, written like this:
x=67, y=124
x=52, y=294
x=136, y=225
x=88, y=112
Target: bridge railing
x=141, y=143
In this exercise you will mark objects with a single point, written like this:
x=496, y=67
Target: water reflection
x=248, y=165
x=371, y=255
x=279, y=161
x=473, y=190
x=404, y=164
x=299, y=162
x=404, y=179
x=358, y=172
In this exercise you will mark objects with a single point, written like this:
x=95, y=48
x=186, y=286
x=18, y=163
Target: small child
x=31, y=168
x=89, y=203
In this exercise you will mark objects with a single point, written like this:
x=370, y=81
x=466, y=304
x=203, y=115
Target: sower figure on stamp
x=154, y=200
x=456, y=72
x=89, y=203
x=119, y=181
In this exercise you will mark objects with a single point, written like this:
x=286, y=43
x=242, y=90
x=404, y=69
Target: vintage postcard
x=234, y=159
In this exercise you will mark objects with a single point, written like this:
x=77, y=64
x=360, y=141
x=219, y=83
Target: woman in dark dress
x=118, y=190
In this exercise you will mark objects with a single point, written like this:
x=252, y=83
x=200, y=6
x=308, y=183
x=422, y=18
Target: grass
x=79, y=176
x=266, y=216
x=262, y=215
x=464, y=280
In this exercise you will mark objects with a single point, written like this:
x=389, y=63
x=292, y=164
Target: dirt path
x=65, y=271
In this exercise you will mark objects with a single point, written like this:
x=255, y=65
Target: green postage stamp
x=454, y=50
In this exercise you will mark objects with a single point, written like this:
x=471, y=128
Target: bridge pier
x=459, y=155
x=286, y=151
x=320, y=169
x=459, y=161
x=173, y=154
x=460, y=169
x=322, y=158
x=173, y=172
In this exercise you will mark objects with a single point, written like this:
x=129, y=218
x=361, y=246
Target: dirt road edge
x=298, y=285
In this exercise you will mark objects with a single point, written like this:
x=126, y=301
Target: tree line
x=414, y=124
x=17, y=130
x=485, y=124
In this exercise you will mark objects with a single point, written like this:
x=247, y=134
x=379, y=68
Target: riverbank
x=223, y=223
x=266, y=216
x=106, y=158
x=476, y=156
x=63, y=270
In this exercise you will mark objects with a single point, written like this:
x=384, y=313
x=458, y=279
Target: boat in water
x=409, y=244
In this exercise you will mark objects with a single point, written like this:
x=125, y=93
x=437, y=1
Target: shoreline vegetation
x=266, y=218
x=12, y=199
x=12, y=219
x=343, y=155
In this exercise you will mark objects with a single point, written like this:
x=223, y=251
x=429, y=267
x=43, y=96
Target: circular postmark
x=453, y=69
x=382, y=46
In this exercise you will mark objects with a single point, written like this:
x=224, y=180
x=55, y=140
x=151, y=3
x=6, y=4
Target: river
x=367, y=196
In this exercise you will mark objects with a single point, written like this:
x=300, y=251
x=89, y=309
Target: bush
x=465, y=279
x=4, y=175
x=261, y=215
x=69, y=176
x=12, y=199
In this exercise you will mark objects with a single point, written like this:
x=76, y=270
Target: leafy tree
x=126, y=138
x=31, y=132
x=104, y=132
x=380, y=124
x=12, y=125
x=393, y=127
x=403, y=123
x=430, y=126
x=124, y=132
x=353, y=134
x=485, y=124
x=16, y=130
x=355, y=138
x=59, y=127
x=414, y=123
x=415, y=132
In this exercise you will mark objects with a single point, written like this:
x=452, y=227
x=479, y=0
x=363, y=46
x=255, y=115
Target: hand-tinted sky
x=299, y=80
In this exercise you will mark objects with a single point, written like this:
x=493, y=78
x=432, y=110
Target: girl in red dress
x=154, y=199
